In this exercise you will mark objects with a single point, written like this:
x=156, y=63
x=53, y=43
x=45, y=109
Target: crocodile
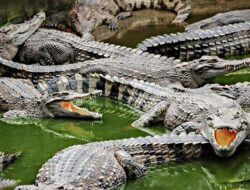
x=221, y=19
x=5, y=160
x=86, y=15
x=108, y=164
x=61, y=47
x=48, y=47
x=200, y=119
x=221, y=41
x=239, y=92
x=14, y=35
x=21, y=99
x=7, y=183
x=148, y=97
x=191, y=74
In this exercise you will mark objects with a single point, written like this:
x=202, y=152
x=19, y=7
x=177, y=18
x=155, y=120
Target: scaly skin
x=200, y=110
x=189, y=105
x=105, y=165
x=220, y=41
x=21, y=99
x=49, y=47
x=5, y=160
x=12, y=36
x=7, y=183
x=108, y=164
x=239, y=92
x=221, y=19
x=86, y=15
x=60, y=47
x=190, y=74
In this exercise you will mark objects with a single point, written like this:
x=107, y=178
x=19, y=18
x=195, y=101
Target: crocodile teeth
x=225, y=137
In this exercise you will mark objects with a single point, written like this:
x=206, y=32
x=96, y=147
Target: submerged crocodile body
x=221, y=19
x=5, y=160
x=13, y=36
x=105, y=165
x=86, y=15
x=221, y=41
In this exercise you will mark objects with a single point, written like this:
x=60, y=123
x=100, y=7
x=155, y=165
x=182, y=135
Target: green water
x=41, y=139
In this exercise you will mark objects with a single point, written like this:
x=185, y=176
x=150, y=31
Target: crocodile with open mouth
x=14, y=35
x=21, y=99
x=219, y=119
x=148, y=97
x=200, y=118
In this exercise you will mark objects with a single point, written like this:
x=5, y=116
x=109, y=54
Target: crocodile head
x=61, y=105
x=198, y=72
x=58, y=105
x=15, y=35
x=85, y=18
x=225, y=130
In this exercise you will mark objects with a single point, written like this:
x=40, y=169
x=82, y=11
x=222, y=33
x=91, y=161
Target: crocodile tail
x=130, y=92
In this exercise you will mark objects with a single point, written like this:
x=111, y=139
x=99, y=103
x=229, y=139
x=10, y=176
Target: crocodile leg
x=112, y=24
x=152, y=115
x=50, y=53
x=132, y=169
x=186, y=128
x=127, y=10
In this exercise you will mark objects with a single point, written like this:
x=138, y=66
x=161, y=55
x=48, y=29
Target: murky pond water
x=41, y=139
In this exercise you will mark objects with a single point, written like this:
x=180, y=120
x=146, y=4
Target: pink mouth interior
x=225, y=137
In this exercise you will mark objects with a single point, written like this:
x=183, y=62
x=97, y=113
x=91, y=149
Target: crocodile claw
x=113, y=26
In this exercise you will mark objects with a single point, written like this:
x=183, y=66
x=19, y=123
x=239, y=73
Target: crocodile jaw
x=83, y=112
x=61, y=105
x=226, y=141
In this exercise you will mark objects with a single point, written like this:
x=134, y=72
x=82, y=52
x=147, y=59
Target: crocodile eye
x=237, y=115
x=202, y=68
x=209, y=118
x=214, y=60
x=244, y=125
